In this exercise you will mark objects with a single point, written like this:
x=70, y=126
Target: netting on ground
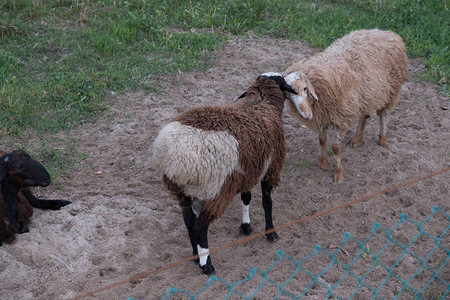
x=409, y=261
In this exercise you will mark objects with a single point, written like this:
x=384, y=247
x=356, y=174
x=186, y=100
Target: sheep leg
x=43, y=203
x=23, y=228
x=189, y=220
x=323, y=149
x=356, y=140
x=197, y=222
x=383, y=127
x=266, y=188
x=246, y=229
x=336, y=147
x=200, y=234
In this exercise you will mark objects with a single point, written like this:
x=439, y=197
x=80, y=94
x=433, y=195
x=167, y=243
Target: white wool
x=203, y=255
x=195, y=159
x=269, y=74
x=292, y=77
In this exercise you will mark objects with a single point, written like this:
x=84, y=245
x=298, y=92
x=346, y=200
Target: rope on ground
x=258, y=235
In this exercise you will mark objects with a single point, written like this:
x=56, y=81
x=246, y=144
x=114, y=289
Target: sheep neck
x=257, y=96
x=9, y=193
x=8, y=189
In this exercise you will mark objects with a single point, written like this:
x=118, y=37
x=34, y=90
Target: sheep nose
x=307, y=116
x=46, y=182
x=44, y=178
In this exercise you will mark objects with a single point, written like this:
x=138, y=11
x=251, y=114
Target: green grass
x=60, y=61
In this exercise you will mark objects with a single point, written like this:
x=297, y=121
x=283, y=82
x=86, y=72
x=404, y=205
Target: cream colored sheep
x=356, y=75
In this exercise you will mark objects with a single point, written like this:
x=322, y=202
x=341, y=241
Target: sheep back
x=355, y=75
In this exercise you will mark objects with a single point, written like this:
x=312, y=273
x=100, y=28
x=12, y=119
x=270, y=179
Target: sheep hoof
x=323, y=164
x=339, y=175
x=209, y=271
x=356, y=140
x=61, y=203
x=382, y=141
x=246, y=229
x=23, y=228
x=208, y=268
x=272, y=237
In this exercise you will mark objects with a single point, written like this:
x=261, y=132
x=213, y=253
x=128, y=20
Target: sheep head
x=305, y=93
x=22, y=171
x=279, y=79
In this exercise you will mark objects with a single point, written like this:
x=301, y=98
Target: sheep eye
x=305, y=88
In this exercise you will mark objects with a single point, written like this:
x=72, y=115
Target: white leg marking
x=245, y=214
x=203, y=254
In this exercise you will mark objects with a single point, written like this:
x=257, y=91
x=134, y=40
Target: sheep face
x=279, y=79
x=305, y=94
x=23, y=171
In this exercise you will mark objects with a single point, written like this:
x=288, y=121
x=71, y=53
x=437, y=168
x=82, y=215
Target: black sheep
x=18, y=171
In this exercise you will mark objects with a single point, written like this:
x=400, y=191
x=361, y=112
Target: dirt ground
x=123, y=222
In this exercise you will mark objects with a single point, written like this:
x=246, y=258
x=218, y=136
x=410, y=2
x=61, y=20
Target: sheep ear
x=287, y=88
x=311, y=89
x=243, y=95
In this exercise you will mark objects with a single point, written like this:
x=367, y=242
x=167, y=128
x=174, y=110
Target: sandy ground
x=123, y=222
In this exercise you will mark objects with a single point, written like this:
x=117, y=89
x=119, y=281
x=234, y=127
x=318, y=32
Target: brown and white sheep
x=18, y=171
x=356, y=75
x=209, y=154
